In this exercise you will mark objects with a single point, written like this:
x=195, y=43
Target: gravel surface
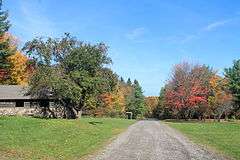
x=153, y=140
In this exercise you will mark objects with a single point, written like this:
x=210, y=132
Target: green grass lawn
x=223, y=137
x=32, y=138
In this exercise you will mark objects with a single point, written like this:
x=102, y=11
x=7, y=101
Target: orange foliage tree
x=220, y=101
x=19, y=69
x=151, y=104
x=119, y=99
x=113, y=103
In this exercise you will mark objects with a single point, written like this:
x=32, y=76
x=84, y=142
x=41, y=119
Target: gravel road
x=153, y=140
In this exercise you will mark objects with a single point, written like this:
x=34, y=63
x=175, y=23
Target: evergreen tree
x=135, y=83
x=136, y=103
x=233, y=76
x=139, y=99
x=162, y=111
x=4, y=23
x=129, y=82
x=5, y=46
x=122, y=80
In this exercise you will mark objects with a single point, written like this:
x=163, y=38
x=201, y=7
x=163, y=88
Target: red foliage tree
x=188, y=90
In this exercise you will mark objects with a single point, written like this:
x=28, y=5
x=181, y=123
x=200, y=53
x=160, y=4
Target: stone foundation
x=21, y=111
x=36, y=111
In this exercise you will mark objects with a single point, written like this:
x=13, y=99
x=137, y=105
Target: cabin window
x=7, y=104
x=19, y=103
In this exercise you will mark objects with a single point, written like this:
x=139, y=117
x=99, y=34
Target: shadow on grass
x=95, y=123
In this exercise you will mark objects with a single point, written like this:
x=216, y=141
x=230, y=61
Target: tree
x=109, y=80
x=105, y=105
x=188, y=90
x=232, y=75
x=119, y=99
x=19, y=66
x=220, y=100
x=84, y=66
x=107, y=100
x=119, y=103
x=72, y=71
x=135, y=102
x=122, y=80
x=162, y=111
x=129, y=82
x=216, y=91
x=201, y=75
x=6, y=49
x=151, y=103
x=19, y=71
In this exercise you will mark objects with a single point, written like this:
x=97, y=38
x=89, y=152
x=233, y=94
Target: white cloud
x=136, y=34
x=216, y=24
x=208, y=28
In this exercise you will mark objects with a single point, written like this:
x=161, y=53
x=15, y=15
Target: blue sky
x=145, y=37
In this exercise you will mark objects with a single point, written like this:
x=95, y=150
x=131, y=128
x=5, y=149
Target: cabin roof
x=11, y=92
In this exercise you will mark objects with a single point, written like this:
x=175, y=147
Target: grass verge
x=224, y=137
x=32, y=138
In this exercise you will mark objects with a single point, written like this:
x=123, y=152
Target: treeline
x=73, y=74
x=76, y=76
x=197, y=91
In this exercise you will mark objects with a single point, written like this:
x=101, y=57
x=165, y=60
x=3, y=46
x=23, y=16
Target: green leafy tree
x=70, y=71
x=109, y=80
x=233, y=76
x=6, y=49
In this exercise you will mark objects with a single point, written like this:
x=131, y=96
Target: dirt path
x=153, y=140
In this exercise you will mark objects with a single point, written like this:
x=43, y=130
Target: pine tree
x=136, y=103
x=122, y=80
x=233, y=76
x=129, y=82
x=139, y=99
x=6, y=49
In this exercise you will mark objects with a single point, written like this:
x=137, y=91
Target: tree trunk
x=79, y=115
x=219, y=117
x=81, y=104
x=226, y=116
x=199, y=118
x=70, y=114
x=215, y=117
